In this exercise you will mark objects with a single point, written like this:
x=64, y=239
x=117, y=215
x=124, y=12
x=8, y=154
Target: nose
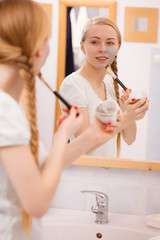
x=103, y=48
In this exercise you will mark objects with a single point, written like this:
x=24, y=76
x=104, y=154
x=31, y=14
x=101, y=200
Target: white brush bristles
x=111, y=72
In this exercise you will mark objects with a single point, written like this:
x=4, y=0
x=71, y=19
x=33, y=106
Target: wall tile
x=153, y=177
x=68, y=195
x=115, y=174
x=123, y=198
x=152, y=199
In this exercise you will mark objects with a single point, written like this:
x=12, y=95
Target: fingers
x=68, y=111
x=142, y=109
x=73, y=112
x=126, y=93
x=60, y=120
x=123, y=98
x=111, y=126
x=143, y=104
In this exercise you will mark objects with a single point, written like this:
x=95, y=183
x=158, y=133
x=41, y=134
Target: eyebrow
x=99, y=38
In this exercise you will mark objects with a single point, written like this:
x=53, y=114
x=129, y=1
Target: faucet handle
x=101, y=198
x=101, y=207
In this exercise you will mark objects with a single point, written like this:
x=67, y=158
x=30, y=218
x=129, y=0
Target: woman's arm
x=96, y=135
x=129, y=133
x=131, y=113
x=36, y=188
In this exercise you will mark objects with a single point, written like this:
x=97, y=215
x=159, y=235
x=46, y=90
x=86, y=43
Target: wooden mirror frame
x=63, y=4
x=89, y=160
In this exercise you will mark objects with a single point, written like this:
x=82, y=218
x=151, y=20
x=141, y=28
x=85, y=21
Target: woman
x=90, y=85
x=26, y=190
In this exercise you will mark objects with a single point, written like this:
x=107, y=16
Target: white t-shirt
x=14, y=130
x=78, y=91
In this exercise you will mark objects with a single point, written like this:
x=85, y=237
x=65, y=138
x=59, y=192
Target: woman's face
x=100, y=46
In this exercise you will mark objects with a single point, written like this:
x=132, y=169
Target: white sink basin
x=65, y=224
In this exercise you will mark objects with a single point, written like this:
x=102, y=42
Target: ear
x=82, y=47
x=39, y=52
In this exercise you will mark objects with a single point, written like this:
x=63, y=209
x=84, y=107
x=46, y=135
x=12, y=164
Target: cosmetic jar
x=107, y=111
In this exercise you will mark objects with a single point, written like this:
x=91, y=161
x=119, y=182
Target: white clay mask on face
x=110, y=53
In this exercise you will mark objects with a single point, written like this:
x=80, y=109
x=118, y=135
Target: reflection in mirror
x=110, y=7
x=134, y=77
x=76, y=18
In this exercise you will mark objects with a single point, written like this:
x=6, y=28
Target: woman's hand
x=105, y=132
x=70, y=123
x=136, y=110
x=123, y=99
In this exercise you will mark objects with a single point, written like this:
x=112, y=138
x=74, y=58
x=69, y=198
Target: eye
x=95, y=42
x=110, y=43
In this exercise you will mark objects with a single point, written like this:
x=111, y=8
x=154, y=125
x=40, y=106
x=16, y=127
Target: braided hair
x=116, y=89
x=24, y=25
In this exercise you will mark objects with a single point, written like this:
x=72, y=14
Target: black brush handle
x=68, y=105
x=120, y=83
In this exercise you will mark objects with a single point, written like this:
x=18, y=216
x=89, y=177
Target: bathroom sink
x=65, y=224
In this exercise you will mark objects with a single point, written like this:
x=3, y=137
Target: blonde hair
x=106, y=21
x=24, y=25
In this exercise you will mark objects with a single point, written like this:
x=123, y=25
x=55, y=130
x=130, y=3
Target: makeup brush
x=116, y=79
x=69, y=106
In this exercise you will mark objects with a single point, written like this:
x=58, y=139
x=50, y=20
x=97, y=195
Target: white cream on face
x=101, y=45
x=110, y=53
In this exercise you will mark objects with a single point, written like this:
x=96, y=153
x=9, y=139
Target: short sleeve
x=14, y=127
x=73, y=90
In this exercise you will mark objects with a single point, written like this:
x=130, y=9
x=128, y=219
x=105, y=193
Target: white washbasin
x=66, y=224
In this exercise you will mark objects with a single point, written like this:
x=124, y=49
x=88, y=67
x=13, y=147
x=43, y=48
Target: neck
x=10, y=82
x=92, y=74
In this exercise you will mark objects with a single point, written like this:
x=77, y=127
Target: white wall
x=130, y=191
x=134, y=70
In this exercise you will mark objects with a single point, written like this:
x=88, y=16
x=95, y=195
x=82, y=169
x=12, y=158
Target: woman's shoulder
x=74, y=79
x=108, y=80
x=8, y=105
x=14, y=127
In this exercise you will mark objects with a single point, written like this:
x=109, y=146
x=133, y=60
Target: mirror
x=126, y=161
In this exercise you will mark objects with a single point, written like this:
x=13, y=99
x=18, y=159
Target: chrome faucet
x=101, y=206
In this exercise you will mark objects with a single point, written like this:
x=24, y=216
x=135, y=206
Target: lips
x=102, y=58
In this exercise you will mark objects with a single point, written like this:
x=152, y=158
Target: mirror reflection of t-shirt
x=78, y=91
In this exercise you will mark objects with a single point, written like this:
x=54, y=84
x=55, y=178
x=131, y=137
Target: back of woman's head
x=24, y=26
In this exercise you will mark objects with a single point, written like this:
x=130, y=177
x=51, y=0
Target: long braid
x=24, y=26
x=26, y=72
x=116, y=89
